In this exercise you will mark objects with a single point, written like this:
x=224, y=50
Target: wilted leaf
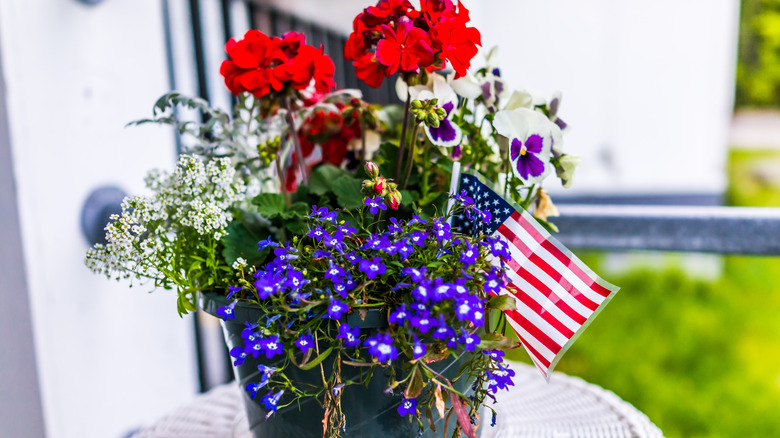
x=440, y=406
x=415, y=385
x=502, y=302
x=495, y=341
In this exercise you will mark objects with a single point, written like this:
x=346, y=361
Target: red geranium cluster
x=261, y=65
x=325, y=136
x=393, y=36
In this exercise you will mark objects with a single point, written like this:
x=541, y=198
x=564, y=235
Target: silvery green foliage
x=191, y=207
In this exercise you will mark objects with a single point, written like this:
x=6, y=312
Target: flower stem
x=409, y=163
x=282, y=188
x=285, y=103
x=402, y=146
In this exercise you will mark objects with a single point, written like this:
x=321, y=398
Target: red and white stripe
x=556, y=294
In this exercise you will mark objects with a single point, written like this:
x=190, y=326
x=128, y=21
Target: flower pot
x=368, y=410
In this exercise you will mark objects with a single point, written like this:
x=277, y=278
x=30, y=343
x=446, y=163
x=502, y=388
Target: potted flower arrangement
x=355, y=283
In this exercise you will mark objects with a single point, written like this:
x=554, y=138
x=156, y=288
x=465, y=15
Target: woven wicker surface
x=566, y=407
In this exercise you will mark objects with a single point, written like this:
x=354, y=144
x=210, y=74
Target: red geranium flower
x=261, y=65
x=407, y=47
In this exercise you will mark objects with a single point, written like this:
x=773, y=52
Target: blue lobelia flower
x=263, y=244
x=226, y=312
x=265, y=287
x=336, y=309
x=316, y=233
x=305, y=342
x=377, y=242
x=469, y=254
x=408, y=407
x=322, y=214
x=336, y=241
x=497, y=246
x=470, y=308
x=271, y=401
x=496, y=355
x=349, y=335
x=416, y=220
x=295, y=280
x=233, y=290
x=442, y=230
x=443, y=332
x=296, y=297
x=394, y=226
x=459, y=287
x=381, y=347
x=464, y=199
x=469, y=341
x=399, y=315
x=240, y=354
x=423, y=323
x=418, y=238
x=346, y=229
x=321, y=253
x=416, y=274
x=441, y=290
x=419, y=349
x=335, y=273
x=253, y=387
x=494, y=281
x=272, y=346
x=375, y=204
x=353, y=258
x=405, y=249
x=422, y=292
x=373, y=267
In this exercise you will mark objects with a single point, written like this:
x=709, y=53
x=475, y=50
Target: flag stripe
x=537, y=308
x=539, y=328
x=527, y=341
x=544, y=290
x=571, y=262
x=536, y=277
x=544, y=301
x=562, y=271
x=556, y=280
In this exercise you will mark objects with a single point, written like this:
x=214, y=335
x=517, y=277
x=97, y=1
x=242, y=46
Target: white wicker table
x=566, y=407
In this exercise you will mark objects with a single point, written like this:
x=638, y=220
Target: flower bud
x=372, y=169
x=380, y=186
x=544, y=207
x=416, y=104
x=394, y=198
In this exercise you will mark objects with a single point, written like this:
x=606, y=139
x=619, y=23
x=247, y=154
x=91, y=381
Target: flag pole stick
x=453, y=187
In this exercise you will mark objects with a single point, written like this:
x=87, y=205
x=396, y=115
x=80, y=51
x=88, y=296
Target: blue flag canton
x=486, y=200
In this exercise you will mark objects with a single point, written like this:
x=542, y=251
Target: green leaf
x=240, y=242
x=324, y=355
x=387, y=159
x=321, y=180
x=408, y=197
x=296, y=227
x=495, y=341
x=415, y=385
x=299, y=209
x=502, y=302
x=269, y=205
x=348, y=192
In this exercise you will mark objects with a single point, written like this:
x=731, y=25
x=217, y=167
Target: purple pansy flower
x=530, y=136
x=448, y=133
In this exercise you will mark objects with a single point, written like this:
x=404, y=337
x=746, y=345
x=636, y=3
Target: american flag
x=557, y=296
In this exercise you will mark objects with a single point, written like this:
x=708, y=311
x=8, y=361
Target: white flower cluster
x=195, y=200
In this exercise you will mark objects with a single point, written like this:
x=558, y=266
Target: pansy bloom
x=530, y=136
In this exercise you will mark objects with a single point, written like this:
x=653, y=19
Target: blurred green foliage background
x=758, y=69
x=700, y=357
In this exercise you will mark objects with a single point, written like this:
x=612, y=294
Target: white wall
x=647, y=85
x=109, y=357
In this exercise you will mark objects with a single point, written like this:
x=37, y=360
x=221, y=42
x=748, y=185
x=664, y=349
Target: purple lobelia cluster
x=435, y=289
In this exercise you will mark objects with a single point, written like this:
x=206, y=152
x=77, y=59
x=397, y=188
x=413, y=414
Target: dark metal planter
x=369, y=411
